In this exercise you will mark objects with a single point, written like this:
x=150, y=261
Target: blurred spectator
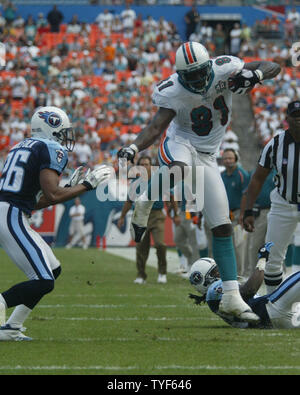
x=19, y=86
x=219, y=38
x=83, y=152
x=104, y=18
x=128, y=17
x=41, y=22
x=294, y=16
x=30, y=29
x=235, y=39
x=10, y=12
x=55, y=18
x=2, y=22
x=274, y=23
x=246, y=33
x=76, y=229
x=230, y=140
x=106, y=133
x=74, y=25
x=289, y=29
x=206, y=32
x=109, y=51
x=192, y=19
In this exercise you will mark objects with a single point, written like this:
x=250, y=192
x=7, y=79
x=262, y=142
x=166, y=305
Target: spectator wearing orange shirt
x=109, y=51
x=107, y=134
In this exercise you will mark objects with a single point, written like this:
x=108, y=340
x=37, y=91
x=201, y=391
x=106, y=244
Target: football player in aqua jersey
x=194, y=109
x=279, y=310
x=30, y=181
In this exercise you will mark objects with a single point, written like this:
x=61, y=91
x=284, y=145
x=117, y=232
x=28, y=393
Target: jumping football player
x=195, y=105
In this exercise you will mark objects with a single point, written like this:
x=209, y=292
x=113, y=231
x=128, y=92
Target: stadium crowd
x=103, y=73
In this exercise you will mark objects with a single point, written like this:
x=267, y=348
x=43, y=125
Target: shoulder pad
x=228, y=65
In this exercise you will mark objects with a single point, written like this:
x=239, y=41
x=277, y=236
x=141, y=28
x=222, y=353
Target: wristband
x=248, y=213
x=134, y=148
x=259, y=74
x=87, y=185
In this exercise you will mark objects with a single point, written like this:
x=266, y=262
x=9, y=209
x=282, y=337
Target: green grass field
x=96, y=321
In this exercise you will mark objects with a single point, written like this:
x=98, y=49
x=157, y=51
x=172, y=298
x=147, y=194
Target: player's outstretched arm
x=268, y=69
x=149, y=134
x=52, y=193
x=252, y=285
x=252, y=74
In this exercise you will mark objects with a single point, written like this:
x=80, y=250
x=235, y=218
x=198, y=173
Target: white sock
x=18, y=316
x=230, y=286
x=2, y=300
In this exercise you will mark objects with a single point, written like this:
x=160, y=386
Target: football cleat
x=7, y=333
x=232, y=304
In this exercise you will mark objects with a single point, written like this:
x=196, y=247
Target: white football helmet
x=52, y=123
x=203, y=272
x=193, y=66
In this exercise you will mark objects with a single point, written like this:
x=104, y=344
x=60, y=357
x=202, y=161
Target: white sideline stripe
x=126, y=319
x=173, y=367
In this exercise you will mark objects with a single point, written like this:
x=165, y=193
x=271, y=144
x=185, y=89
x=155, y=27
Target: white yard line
x=158, y=368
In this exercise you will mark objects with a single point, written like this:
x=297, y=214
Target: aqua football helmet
x=193, y=66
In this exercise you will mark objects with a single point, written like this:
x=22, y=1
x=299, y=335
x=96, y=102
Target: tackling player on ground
x=194, y=108
x=275, y=310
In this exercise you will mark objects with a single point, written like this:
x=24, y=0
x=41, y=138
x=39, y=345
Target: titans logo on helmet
x=196, y=278
x=51, y=118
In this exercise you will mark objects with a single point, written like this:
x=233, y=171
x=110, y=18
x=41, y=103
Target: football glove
x=128, y=152
x=75, y=177
x=242, y=82
x=93, y=178
x=197, y=299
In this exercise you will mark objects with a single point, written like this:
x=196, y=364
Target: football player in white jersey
x=194, y=108
x=30, y=181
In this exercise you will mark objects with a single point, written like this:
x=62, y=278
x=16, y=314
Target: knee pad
x=56, y=272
